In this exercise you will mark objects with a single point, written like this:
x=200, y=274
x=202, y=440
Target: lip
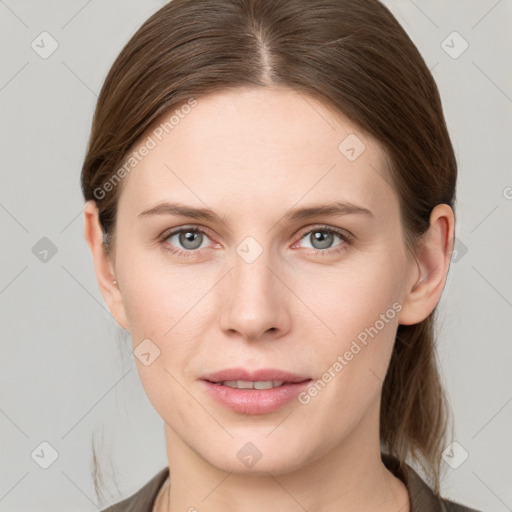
x=254, y=401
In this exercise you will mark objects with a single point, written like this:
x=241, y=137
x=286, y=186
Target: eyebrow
x=338, y=208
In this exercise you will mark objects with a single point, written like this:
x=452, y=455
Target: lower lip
x=255, y=401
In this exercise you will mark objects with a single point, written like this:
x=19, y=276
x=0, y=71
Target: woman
x=269, y=191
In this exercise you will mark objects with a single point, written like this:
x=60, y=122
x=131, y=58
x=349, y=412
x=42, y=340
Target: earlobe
x=103, y=265
x=431, y=267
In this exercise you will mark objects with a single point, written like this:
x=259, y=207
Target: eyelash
x=345, y=236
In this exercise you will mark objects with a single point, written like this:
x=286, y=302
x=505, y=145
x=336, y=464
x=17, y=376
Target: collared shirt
x=422, y=498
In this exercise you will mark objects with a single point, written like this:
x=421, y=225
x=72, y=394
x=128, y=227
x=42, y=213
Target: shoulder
x=422, y=497
x=144, y=498
x=452, y=506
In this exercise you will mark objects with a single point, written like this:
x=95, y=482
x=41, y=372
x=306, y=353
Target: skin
x=251, y=155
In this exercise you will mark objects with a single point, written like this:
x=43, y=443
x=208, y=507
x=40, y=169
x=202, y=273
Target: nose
x=254, y=301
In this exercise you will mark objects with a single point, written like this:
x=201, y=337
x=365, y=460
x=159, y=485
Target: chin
x=257, y=457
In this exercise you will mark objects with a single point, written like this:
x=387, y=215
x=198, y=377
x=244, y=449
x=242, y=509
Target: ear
x=432, y=263
x=103, y=264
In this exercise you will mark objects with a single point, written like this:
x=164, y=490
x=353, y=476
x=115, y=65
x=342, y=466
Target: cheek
x=359, y=307
x=353, y=296
x=168, y=306
x=351, y=363
x=164, y=324
x=157, y=297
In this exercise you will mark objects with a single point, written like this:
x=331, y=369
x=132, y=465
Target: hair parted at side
x=356, y=59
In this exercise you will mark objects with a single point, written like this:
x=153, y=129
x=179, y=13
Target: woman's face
x=261, y=285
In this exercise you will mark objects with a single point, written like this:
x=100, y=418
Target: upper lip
x=263, y=375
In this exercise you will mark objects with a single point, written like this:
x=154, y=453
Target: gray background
x=67, y=373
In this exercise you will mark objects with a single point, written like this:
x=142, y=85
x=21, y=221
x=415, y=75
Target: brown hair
x=356, y=59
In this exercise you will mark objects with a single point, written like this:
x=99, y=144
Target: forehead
x=256, y=148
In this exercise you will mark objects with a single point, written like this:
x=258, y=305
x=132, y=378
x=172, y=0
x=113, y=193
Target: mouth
x=256, y=392
x=261, y=377
x=246, y=384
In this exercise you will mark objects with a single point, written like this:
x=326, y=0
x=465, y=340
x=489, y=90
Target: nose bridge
x=251, y=274
x=252, y=301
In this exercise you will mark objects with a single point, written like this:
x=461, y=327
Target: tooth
x=244, y=384
x=263, y=385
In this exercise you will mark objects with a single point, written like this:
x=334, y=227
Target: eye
x=322, y=238
x=184, y=240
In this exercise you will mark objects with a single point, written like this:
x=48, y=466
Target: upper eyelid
x=173, y=231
